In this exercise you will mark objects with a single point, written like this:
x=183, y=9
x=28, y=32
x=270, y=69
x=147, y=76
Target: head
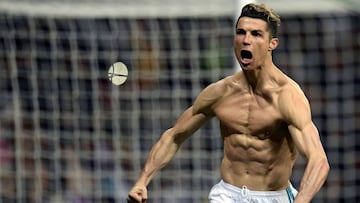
x=264, y=13
x=256, y=35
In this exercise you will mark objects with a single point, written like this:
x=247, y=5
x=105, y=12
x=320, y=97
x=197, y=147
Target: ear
x=274, y=42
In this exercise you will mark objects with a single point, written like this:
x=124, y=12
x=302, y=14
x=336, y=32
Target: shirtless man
x=265, y=120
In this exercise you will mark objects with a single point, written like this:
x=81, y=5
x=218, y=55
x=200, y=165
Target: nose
x=247, y=39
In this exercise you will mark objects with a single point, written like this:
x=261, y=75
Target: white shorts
x=226, y=193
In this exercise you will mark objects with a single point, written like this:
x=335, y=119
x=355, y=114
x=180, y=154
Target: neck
x=258, y=77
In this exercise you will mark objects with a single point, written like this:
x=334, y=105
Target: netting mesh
x=68, y=135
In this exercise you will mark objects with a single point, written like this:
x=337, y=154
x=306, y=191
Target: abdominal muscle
x=258, y=164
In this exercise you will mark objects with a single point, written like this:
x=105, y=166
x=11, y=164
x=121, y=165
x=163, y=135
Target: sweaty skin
x=258, y=149
x=265, y=120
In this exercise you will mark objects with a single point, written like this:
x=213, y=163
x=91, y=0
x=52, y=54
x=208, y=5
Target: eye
x=240, y=32
x=256, y=33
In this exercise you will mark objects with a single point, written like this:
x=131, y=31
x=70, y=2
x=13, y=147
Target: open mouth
x=246, y=57
x=245, y=54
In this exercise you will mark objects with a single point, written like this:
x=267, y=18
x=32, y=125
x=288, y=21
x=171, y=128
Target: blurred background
x=67, y=135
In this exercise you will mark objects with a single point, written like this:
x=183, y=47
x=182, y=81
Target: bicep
x=199, y=113
x=301, y=127
x=306, y=139
x=189, y=122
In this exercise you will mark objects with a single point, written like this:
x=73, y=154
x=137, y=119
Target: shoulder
x=211, y=94
x=293, y=104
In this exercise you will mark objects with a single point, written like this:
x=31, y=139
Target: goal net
x=68, y=135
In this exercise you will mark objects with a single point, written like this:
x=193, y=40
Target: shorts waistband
x=244, y=191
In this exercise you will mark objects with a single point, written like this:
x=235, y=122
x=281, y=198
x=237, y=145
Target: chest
x=249, y=114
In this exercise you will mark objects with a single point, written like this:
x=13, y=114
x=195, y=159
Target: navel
x=264, y=135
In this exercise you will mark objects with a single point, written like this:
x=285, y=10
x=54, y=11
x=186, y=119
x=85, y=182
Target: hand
x=138, y=194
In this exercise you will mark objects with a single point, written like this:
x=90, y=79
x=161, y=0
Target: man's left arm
x=308, y=143
x=307, y=140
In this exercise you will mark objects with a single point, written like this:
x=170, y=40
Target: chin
x=246, y=67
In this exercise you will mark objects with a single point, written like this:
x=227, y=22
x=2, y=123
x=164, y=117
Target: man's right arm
x=164, y=150
x=170, y=141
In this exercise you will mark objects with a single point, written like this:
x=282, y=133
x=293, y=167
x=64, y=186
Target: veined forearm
x=159, y=156
x=314, y=177
x=169, y=143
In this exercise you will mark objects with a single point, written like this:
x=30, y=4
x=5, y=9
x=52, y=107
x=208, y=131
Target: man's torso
x=258, y=150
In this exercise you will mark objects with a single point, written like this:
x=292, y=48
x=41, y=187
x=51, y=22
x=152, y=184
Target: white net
x=68, y=135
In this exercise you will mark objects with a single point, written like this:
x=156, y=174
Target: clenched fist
x=138, y=194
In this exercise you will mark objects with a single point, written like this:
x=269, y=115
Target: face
x=253, y=44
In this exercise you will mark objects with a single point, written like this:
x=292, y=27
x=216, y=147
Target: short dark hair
x=262, y=12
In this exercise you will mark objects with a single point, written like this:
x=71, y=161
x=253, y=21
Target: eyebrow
x=256, y=30
x=260, y=31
